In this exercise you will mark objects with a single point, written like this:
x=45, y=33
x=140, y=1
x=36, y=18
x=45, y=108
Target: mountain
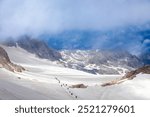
x=100, y=61
x=91, y=61
x=135, y=39
x=44, y=80
x=35, y=46
x=7, y=64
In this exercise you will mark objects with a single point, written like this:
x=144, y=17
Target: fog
x=36, y=17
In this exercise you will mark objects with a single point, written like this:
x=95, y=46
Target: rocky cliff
x=7, y=64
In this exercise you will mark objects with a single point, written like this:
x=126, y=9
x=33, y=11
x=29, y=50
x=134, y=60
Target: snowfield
x=48, y=80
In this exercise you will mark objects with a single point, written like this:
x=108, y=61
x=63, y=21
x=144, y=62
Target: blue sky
x=52, y=17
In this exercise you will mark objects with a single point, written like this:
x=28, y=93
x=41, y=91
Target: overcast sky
x=36, y=17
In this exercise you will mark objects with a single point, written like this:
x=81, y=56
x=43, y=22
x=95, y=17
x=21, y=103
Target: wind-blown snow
x=49, y=80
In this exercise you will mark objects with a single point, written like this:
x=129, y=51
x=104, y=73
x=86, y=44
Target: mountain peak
x=35, y=46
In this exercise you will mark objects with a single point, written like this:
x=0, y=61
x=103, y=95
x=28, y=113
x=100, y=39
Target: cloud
x=146, y=41
x=36, y=17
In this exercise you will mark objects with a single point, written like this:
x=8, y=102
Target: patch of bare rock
x=78, y=86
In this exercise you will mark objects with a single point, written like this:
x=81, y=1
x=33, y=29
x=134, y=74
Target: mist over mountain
x=35, y=46
x=134, y=39
x=91, y=61
x=145, y=53
x=46, y=27
x=36, y=17
x=86, y=24
x=73, y=49
x=122, y=38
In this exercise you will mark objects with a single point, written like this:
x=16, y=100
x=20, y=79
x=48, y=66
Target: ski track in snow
x=67, y=89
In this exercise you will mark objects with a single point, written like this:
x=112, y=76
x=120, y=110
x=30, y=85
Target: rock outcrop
x=132, y=74
x=7, y=64
x=78, y=86
x=129, y=76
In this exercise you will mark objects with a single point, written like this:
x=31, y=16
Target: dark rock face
x=37, y=47
x=7, y=64
x=4, y=56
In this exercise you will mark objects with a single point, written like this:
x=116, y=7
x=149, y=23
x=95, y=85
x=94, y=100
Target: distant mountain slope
x=135, y=39
x=101, y=62
x=35, y=46
x=7, y=64
x=91, y=61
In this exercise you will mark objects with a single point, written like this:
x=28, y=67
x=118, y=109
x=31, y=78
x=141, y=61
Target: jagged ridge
x=101, y=62
x=35, y=46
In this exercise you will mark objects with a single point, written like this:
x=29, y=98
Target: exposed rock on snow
x=132, y=74
x=129, y=76
x=7, y=64
x=78, y=86
x=114, y=82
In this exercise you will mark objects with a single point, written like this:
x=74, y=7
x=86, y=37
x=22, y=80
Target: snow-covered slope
x=137, y=88
x=49, y=80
